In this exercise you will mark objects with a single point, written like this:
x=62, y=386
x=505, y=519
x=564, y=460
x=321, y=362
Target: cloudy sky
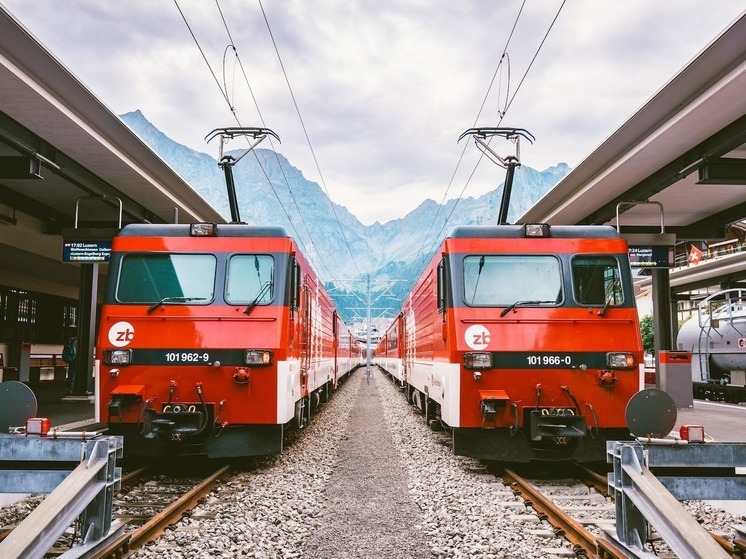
x=384, y=88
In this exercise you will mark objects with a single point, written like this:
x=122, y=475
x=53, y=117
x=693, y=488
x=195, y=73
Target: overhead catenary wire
x=503, y=56
x=277, y=157
x=308, y=139
x=232, y=109
x=502, y=116
x=202, y=52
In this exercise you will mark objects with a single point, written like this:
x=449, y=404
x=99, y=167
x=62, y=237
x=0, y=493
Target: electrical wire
x=463, y=151
x=277, y=157
x=202, y=52
x=231, y=107
x=308, y=139
x=502, y=116
x=233, y=112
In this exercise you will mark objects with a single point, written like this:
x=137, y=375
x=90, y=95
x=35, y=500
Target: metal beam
x=52, y=219
x=641, y=499
x=731, y=215
x=711, y=233
x=88, y=491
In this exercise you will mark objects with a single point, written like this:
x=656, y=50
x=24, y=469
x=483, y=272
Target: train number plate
x=187, y=357
x=548, y=360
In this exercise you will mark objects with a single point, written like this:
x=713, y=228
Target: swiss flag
x=695, y=255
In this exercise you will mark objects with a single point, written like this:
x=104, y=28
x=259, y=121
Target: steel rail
x=594, y=480
x=129, y=543
x=582, y=540
x=134, y=475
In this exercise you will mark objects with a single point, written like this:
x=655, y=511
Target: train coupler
x=548, y=425
x=179, y=423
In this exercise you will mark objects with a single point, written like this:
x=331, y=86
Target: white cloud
x=386, y=87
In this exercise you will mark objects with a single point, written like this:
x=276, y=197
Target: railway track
x=147, y=504
x=151, y=504
x=579, y=508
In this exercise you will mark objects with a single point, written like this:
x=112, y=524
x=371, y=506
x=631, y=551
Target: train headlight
x=536, y=230
x=621, y=360
x=478, y=360
x=117, y=356
x=257, y=357
x=202, y=229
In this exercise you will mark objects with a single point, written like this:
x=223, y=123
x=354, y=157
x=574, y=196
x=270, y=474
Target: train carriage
x=388, y=353
x=524, y=340
x=213, y=339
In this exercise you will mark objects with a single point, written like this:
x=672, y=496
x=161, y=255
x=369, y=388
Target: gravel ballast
x=369, y=512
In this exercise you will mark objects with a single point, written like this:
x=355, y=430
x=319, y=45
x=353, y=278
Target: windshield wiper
x=509, y=308
x=610, y=298
x=267, y=285
x=177, y=299
x=476, y=283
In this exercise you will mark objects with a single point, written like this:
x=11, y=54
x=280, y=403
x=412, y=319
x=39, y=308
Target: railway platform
x=723, y=422
x=62, y=409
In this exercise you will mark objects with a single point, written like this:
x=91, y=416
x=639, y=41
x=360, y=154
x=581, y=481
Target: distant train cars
x=523, y=340
x=214, y=338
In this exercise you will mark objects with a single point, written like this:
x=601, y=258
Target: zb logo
x=121, y=334
x=477, y=337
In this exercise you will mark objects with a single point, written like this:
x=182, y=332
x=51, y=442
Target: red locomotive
x=213, y=339
x=522, y=339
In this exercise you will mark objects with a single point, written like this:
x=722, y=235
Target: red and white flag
x=695, y=255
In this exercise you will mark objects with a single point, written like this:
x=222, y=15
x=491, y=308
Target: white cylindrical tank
x=717, y=342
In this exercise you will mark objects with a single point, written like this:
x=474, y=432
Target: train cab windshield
x=166, y=278
x=501, y=280
x=512, y=280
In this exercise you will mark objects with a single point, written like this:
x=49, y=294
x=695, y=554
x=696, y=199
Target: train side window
x=597, y=280
x=294, y=285
x=153, y=277
x=441, y=286
x=250, y=277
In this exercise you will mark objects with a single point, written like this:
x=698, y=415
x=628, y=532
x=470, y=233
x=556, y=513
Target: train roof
x=516, y=231
x=221, y=230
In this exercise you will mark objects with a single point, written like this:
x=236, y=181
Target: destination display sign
x=86, y=251
x=651, y=256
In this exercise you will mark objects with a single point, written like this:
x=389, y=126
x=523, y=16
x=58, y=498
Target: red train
x=214, y=338
x=522, y=339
